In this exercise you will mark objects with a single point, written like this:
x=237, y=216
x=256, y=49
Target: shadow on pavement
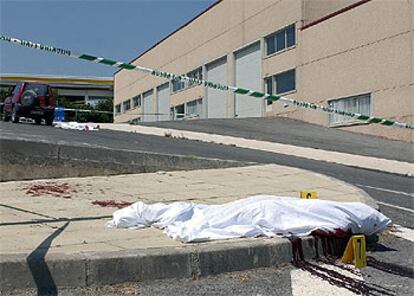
x=381, y=248
x=38, y=267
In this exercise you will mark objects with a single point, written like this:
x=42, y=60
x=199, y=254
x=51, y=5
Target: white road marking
x=304, y=283
x=402, y=232
x=367, y=162
x=386, y=190
x=394, y=206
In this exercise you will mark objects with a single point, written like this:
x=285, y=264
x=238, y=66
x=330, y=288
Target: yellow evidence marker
x=308, y=194
x=355, y=249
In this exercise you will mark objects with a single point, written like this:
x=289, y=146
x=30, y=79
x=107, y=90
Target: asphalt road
x=394, y=192
x=392, y=271
x=293, y=132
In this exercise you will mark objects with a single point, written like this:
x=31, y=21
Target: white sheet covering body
x=260, y=215
x=76, y=126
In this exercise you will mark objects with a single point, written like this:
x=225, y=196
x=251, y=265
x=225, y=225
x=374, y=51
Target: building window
x=177, y=85
x=280, y=40
x=179, y=111
x=118, y=109
x=172, y=117
x=280, y=83
x=356, y=104
x=269, y=88
x=285, y=81
x=196, y=74
x=193, y=108
x=181, y=84
x=136, y=101
x=126, y=105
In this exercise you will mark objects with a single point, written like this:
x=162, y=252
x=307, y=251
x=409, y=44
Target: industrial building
x=352, y=55
x=80, y=90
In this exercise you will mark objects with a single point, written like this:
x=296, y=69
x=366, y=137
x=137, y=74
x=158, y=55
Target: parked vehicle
x=30, y=100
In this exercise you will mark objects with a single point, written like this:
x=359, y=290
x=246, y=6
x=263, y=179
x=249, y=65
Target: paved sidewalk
x=34, y=216
x=353, y=160
x=299, y=133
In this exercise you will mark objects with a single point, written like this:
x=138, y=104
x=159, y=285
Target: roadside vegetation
x=88, y=113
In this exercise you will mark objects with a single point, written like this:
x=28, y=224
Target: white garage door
x=148, y=104
x=217, y=99
x=163, y=102
x=248, y=75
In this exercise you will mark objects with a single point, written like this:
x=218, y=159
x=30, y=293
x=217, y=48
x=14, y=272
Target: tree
x=104, y=105
x=4, y=93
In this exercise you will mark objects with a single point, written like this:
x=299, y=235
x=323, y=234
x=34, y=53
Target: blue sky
x=115, y=29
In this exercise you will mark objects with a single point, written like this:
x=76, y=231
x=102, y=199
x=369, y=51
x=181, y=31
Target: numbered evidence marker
x=308, y=194
x=355, y=249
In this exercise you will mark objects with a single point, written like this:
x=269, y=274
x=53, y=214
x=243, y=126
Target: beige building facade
x=352, y=55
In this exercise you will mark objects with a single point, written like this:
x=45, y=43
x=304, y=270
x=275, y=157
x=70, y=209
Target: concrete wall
x=347, y=55
x=367, y=49
x=205, y=40
x=316, y=9
x=29, y=160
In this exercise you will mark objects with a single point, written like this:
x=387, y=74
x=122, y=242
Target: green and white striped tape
x=205, y=83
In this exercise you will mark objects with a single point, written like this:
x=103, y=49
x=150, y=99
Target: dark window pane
x=196, y=74
x=127, y=105
x=269, y=86
x=290, y=36
x=177, y=85
x=137, y=101
x=270, y=45
x=39, y=89
x=280, y=40
x=285, y=82
x=118, y=108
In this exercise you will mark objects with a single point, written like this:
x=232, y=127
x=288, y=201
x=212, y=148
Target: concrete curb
x=28, y=160
x=95, y=269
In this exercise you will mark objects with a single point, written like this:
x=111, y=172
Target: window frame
x=198, y=106
x=124, y=103
x=118, y=108
x=274, y=84
x=273, y=37
x=348, y=120
x=198, y=75
x=186, y=84
x=139, y=101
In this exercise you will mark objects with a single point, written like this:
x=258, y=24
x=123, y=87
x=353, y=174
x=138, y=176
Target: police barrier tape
x=205, y=83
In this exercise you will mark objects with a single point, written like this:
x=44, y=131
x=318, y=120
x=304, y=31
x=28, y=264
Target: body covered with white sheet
x=261, y=215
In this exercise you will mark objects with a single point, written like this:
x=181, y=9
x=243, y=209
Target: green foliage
x=4, y=93
x=105, y=105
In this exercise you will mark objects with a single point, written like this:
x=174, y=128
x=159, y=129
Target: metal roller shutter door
x=248, y=75
x=163, y=102
x=148, y=104
x=217, y=99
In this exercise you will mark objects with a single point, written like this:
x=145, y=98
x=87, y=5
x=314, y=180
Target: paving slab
x=58, y=220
